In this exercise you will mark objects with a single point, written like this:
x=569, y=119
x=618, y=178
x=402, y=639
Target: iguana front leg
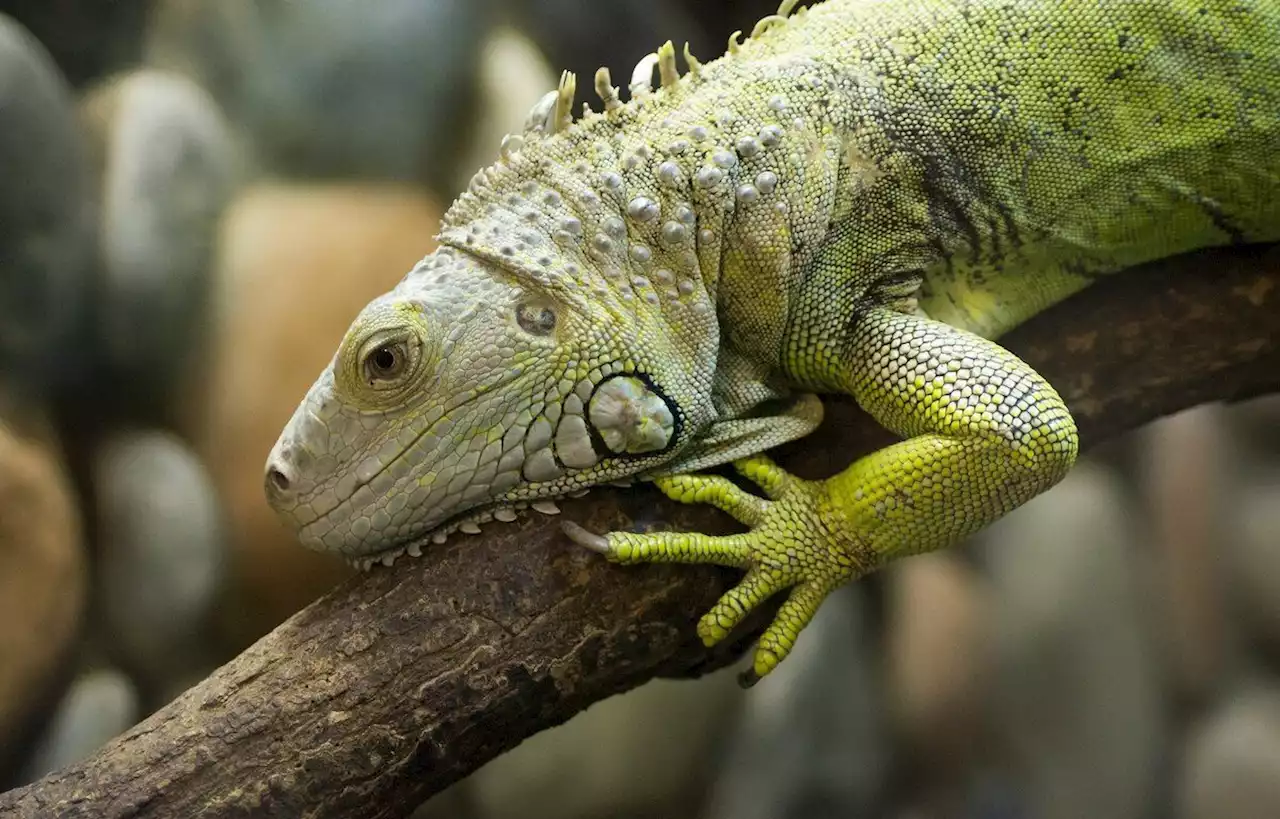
x=984, y=434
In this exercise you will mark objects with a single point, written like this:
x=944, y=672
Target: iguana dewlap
x=855, y=199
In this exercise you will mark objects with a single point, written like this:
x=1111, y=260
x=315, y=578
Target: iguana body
x=853, y=200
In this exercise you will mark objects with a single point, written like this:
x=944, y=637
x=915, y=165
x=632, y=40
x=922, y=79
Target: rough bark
x=404, y=680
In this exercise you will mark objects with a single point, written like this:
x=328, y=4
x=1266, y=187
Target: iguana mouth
x=468, y=522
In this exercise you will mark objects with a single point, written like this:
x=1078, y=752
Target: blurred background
x=196, y=197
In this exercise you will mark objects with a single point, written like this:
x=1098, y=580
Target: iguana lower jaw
x=467, y=522
x=465, y=395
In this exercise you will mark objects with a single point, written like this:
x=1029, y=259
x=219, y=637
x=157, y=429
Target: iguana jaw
x=467, y=522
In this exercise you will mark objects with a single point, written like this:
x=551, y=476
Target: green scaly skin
x=855, y=199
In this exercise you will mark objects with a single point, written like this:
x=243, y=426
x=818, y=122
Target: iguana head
x=561, y=337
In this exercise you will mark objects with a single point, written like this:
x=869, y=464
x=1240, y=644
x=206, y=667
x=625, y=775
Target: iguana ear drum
x=632, y=417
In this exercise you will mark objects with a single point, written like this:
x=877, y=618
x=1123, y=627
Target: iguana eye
x=386, y=362
x=536, y=318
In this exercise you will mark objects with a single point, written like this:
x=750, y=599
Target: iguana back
x=1017, y=149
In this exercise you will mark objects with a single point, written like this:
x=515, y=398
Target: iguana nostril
x=278, y=479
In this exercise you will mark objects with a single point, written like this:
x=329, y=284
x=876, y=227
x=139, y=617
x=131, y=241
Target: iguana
x=855, y=199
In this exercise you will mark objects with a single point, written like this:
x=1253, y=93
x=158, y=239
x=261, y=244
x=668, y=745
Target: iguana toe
x=792, y=544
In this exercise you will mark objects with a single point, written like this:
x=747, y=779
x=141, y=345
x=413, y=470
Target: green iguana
x=854, y=199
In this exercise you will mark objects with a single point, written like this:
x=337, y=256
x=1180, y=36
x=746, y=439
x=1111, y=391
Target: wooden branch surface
x=404, y=680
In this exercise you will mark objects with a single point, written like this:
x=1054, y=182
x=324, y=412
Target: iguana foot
x=798, y=540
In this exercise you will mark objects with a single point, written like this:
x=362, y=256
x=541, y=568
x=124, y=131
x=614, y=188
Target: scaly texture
x=855, y=199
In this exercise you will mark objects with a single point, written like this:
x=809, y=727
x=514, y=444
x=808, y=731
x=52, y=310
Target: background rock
x=1253, y=560
x=100, y=705
x=87, y=38
x=167, y=168
x=1233, y=759
x=331, y=89
x=939, y=647
x=46, y=218
x=813, y=740
x=1188, y=472
x=43, y=575
x=643, y=753
x=1078, y=692
x=161, y=557
x=1257, y=423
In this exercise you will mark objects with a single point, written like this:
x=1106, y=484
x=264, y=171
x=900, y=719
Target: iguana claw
x=793, y=543
x=580, y=536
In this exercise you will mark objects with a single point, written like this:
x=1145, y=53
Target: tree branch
x=404, y=680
